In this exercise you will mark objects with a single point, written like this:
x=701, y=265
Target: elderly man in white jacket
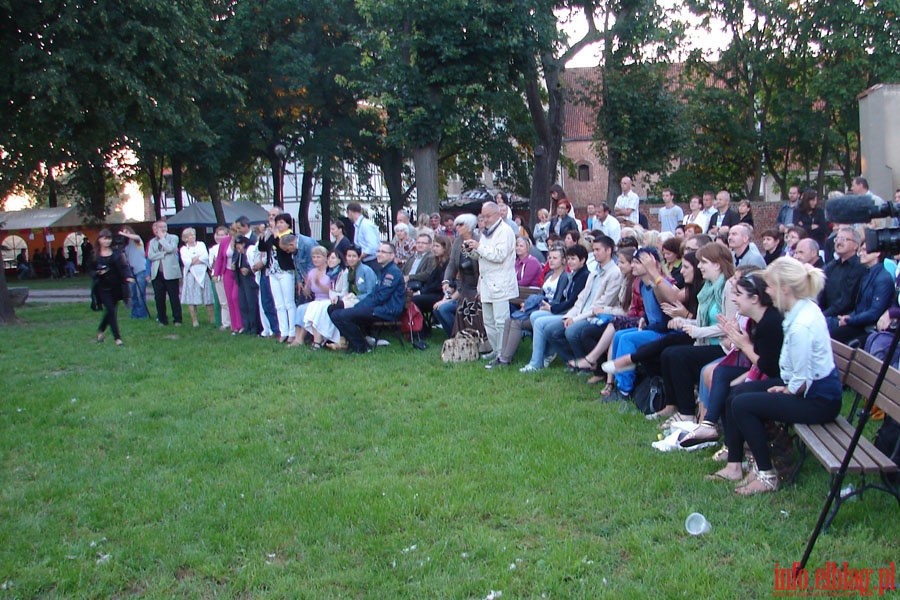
x=497, y=283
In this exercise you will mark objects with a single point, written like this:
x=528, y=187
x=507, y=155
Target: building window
x=584, y=173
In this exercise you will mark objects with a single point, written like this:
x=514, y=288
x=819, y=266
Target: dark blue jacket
x=570, y=294
x=876, y=293
x=389, y=294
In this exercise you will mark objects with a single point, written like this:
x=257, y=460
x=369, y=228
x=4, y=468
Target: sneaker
x=610, y=367
x=496, y=363
x=382, y=343
x=370, y=340
x=528, y=369
x=489, y=356
x=548, y=360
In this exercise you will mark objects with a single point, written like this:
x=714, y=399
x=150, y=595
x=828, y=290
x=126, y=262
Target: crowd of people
x=737, y=324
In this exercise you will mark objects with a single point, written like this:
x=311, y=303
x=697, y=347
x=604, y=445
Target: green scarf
x=711, y=296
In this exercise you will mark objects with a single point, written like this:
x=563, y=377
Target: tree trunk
x=548, y=127
x=306, y=186
x=216, y=200
x=7, y=313
x=52, y=196
x=425, y=159
x=277, y=165
x=325, y=204
x=176, y=182
x=156, y=185
x=391, y=165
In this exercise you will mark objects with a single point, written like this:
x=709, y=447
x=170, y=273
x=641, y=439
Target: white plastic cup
x=696, y=524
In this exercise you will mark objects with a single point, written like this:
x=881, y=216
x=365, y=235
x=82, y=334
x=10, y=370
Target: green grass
x=194, y=464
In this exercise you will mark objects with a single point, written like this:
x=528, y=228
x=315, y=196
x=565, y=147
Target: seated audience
x=809, y=390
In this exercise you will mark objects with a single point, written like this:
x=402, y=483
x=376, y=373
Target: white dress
x=197, y=288
x=316, y=315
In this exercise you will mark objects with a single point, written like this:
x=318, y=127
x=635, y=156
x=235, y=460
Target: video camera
x=862, y=209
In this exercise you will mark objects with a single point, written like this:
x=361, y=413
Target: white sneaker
x=528, y=369
x=370, y=340
x=548, y=360
x=383, y=343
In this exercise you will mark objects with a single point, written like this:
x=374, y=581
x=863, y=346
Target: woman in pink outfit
x=223, y=270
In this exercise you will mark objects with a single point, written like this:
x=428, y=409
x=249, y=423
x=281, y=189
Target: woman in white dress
x=316, y=320
x=196, y=287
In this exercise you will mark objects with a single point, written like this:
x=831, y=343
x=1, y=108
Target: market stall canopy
x=472, y=200
x=39, y=218
x=201, y=214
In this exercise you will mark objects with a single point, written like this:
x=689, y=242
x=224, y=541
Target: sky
x=711, y=42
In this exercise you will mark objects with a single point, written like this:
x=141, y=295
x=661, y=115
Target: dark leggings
x=649, y=354
x=681, y=366
x=749, y=406
x=720, y=389
x=110, y=313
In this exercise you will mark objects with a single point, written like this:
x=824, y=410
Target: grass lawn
x=190, y=463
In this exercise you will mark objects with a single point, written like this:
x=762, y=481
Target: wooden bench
x=829, y=442
x=524, y=292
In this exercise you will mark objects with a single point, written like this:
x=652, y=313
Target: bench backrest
x=861, y=376
x=843, y=356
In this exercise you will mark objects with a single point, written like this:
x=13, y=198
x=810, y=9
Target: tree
x=638, y=111
x=433, y=67
x=82, y=76
x=540, y=67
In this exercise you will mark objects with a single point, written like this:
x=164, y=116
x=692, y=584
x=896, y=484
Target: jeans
x=350, y=321
x=626, y=341
x=267, y=304
x=576, y=340
x=541, y=320
x=139, y=296
x=446, y=316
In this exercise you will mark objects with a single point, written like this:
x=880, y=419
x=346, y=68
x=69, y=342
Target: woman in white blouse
x=196, y=287
x=809, y=389
x=696, y=215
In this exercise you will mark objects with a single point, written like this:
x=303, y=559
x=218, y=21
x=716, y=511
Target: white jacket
x=497, y=264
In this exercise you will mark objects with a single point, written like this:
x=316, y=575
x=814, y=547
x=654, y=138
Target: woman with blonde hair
x=542, y=231
x=809, y=390
x=316, y=286
x=196, y=287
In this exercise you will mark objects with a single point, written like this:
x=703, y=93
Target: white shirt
x=630, y=201
x=611, y=227
x=806, y=353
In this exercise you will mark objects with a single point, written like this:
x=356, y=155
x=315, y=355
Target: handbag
x=461, y=348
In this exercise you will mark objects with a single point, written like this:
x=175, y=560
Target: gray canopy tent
x=201, y=214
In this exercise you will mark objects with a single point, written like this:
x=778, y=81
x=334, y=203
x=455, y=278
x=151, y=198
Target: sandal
x=665, y=412
x=100, y=338
x=721, y=455
x=704, y=433
x=120, y=343
x=583, y=364
x=676, y=417
x=609, y=390
x=720, y=476
x=317, y=345
x=763, y=483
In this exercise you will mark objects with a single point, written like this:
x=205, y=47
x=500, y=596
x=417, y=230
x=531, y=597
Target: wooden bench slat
x=825, y=448
x=874, y=454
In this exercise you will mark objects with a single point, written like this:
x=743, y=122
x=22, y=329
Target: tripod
x=864, y=415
